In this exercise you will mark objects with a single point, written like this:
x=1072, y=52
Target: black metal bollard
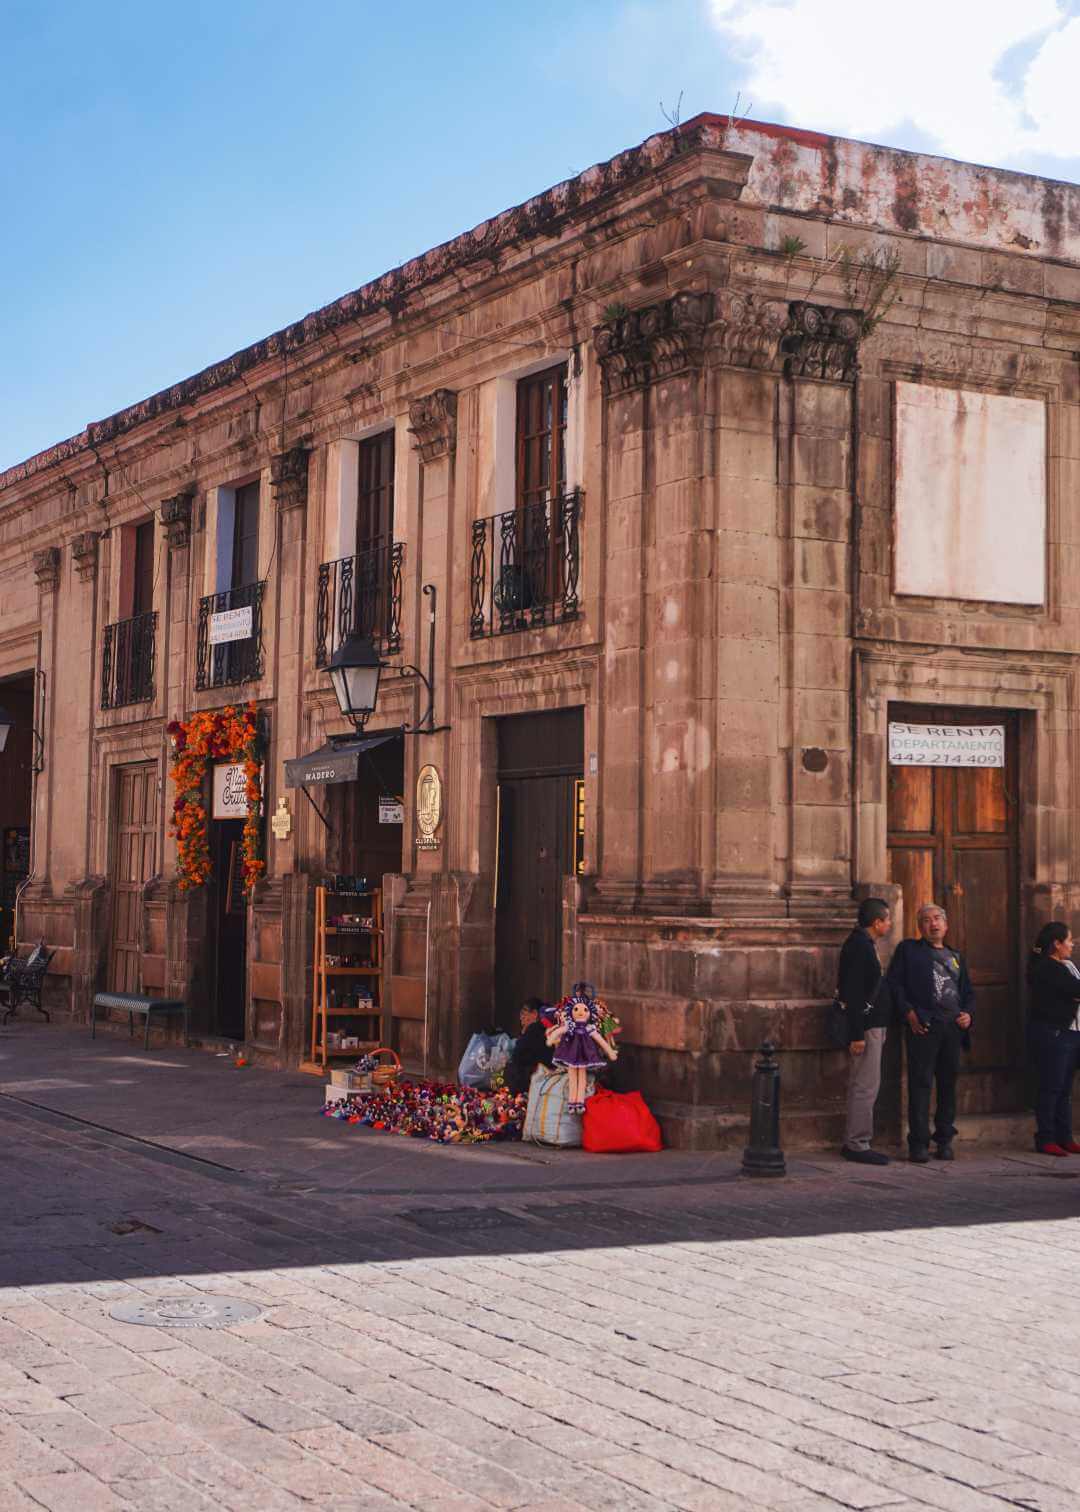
x=763, y=1155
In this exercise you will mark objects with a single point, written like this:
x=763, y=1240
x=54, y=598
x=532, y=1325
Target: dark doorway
x=365, y=834
x=229, y=913
x=16, y=789
x=541, y=763
x=954, y=840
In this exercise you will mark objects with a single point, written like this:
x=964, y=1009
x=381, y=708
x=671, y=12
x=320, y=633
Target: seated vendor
x=530, y=1048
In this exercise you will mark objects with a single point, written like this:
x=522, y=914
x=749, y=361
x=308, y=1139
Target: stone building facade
x=721, y=459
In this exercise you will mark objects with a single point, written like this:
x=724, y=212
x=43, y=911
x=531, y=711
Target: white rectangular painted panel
x=970, y=495
x=946, y=745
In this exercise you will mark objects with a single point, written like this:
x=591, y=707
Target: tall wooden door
x=133, y=850
x=954, y=840
x=540, y=764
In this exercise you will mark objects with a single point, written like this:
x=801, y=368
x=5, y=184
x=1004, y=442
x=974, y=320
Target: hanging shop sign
x=428, y=809
x=230, y=625
x=230, y=791
x=391, y=811
x=946, y=745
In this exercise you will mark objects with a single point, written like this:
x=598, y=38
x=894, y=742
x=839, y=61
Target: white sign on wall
x=946, y=745
x=970, y=495
x=391, y=811
x=230, y=791
x=230, y=625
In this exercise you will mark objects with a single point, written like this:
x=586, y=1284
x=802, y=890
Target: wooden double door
x=953, y=836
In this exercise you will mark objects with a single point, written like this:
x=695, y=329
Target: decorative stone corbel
x=289, y=477
x=653, y=342
x=84, y=553
x=47, y=568
x=822, y=342
x=176, y=518
x=433, y=421
x=748, y=330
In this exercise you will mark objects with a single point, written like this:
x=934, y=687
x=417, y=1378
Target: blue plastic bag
x=485, y=1056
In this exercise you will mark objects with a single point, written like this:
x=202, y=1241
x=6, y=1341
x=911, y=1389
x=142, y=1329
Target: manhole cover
x=186, y=1312
x=462, y=1220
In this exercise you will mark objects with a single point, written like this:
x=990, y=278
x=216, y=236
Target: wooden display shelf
x=322, y=1010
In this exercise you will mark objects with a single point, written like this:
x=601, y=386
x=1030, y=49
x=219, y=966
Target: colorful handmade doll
x=577, y=1041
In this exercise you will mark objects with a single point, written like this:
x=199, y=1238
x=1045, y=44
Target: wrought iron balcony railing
x=127, y=661
x=224, y=663
x=360, y=595
x=525, y=567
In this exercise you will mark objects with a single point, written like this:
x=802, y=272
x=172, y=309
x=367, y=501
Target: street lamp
x=354, y=671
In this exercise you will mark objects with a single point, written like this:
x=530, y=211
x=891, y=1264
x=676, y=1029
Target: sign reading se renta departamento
x=946, y=745
x=230, y=625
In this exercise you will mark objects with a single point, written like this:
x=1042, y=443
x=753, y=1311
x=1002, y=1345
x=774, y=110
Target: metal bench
x=22, y=980
x=132, y=1003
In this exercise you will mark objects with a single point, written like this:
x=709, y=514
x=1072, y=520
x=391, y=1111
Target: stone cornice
x=544, y=215
x=654, y=341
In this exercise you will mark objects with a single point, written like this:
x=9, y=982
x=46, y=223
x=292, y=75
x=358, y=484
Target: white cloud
x=864, y=69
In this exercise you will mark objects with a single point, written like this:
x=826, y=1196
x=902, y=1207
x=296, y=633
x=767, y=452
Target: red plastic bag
x=619, y=1123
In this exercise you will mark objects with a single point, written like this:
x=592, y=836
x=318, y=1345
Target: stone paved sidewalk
x=551, y=1335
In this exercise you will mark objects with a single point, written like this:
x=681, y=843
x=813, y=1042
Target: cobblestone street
x=493, y=1328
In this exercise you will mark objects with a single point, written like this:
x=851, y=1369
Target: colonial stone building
x=745, y=469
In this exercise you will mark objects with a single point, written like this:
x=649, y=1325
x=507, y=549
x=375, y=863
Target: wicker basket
x=385, y=1076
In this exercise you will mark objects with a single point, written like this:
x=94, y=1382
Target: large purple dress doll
x=578, y=1043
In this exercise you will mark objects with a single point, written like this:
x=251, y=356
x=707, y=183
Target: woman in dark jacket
x=1054, y=1036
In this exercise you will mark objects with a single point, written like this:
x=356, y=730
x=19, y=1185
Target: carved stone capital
x=176, y=518
x=84, y=553
x=289, y=477
x=822, y=342
x=653, y=342
x=433, y=421
x=749, y=330
x=47, y=568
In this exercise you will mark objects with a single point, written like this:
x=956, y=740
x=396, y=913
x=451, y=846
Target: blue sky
x=180, y=181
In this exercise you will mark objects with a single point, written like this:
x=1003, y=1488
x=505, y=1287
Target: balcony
x=222, y=663
x=127, y=661
x=525, y=567
x=360, y=595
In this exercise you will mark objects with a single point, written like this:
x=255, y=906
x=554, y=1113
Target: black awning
x=338, y=761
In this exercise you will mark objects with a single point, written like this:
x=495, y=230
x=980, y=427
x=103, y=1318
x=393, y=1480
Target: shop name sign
x=230, y=791
x=946, y=745
x=230, y=625
x=391, y=811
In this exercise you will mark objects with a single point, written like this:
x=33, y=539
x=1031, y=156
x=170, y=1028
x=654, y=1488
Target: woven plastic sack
x=485, y=1056
x=619, y=1123
x=547, y=1118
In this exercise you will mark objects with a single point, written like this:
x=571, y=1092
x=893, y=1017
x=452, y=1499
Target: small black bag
x=836, y=1024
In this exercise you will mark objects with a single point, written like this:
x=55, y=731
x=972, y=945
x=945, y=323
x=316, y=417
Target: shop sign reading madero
x=946, y=745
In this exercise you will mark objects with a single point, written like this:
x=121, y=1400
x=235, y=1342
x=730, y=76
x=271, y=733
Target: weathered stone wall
x=739, y=636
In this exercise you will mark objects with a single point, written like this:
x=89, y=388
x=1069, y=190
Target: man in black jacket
x=866, y=999
x=932, y=990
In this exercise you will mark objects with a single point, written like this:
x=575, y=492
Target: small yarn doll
x=576, y=1039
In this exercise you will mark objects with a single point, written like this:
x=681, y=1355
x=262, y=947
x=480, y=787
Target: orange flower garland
x=225, y=734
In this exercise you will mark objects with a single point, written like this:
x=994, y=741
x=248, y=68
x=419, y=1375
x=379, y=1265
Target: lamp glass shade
x=7, y=724
x=354, y=671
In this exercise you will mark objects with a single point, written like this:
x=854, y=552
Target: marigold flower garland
x=223, y=734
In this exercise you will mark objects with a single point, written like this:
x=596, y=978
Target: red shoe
x=1052, y=1149
x=1072, y=1147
